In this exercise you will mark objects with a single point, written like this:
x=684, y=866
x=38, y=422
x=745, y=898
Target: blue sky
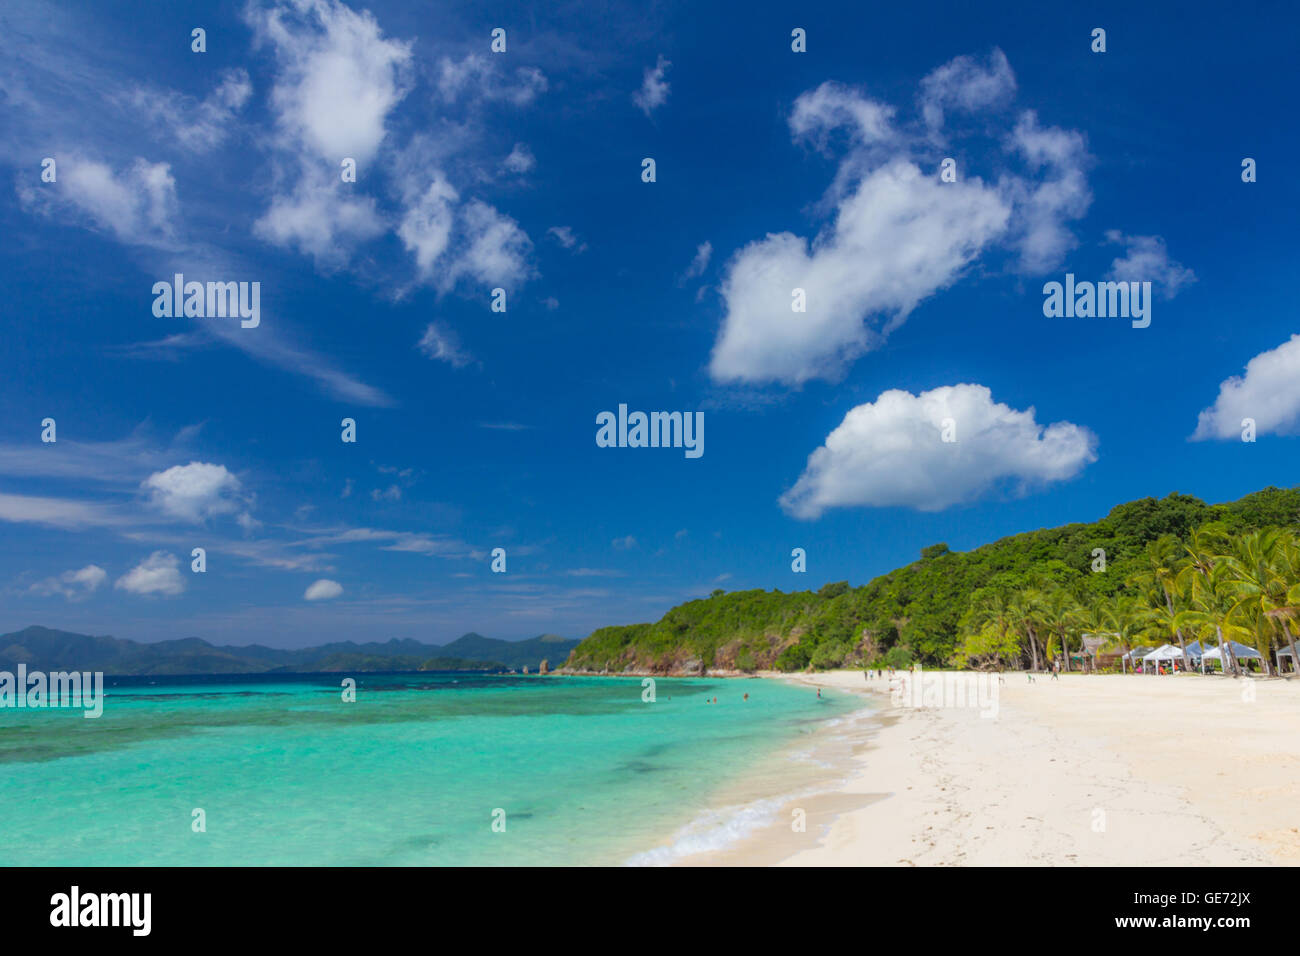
x=522, y=170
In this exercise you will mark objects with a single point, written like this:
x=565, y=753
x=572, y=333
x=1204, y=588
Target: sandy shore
x=1100, y=770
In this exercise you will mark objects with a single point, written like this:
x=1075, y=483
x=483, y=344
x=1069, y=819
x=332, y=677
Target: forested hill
x=913, y=613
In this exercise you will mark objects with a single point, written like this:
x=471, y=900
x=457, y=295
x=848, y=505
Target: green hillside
x=931, y=610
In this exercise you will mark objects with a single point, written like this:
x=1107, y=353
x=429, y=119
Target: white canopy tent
x=1165, y=652
x=1133, y=656
x=1239, y=651
x=1196, y=653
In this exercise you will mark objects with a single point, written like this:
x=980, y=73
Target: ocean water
x=410, y=774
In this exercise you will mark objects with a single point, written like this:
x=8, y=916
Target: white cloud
x=57, y=512
x=624, y=544
x=703, y=253
x=891, y=453
x=1043, y=208
x=477, y=78
x=322, y=590
x=391, y=493
x=565, y=236
x=900, y=237
x=405, y=541
x=339, y=82
x=73, y=585
x=121, y=461
x=339, y=79
x=426, y=227
x=520, y=160
x=440, y=342
x=320, y=218
x=967, y=85
x=197, y=126
x=895, y=234
x=452, y=242
x=339, y=76
x=496, y=250
x=157, y=574
x=267, y=348
x=137, y=205
x=66, y=96
x=1146, y=259
x=1269, y=393
x=654, y=88
x=833, y=106
x=194, y=492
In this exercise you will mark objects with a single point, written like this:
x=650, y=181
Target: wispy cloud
x=654, y=87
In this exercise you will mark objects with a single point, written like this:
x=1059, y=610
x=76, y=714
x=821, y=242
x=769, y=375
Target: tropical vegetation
x=1172, y=570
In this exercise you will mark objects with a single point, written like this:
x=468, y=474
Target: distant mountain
x=514, y=654
x=42, y=648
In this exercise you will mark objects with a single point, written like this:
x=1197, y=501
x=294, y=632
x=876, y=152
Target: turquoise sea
x=409, y=774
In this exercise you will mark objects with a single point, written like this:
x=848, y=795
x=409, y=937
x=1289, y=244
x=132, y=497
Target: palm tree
x=1213, y=609
x=1059, y=612
x=992, y=618
x=1161, y=579
x=1127, y=617
x=1286, y=612
x=1199, y=581
x=1096, y=619
x=1252, y=570
x=1160, y=618
x=1025, y=610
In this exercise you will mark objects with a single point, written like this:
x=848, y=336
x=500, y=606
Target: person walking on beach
x=1056, y=670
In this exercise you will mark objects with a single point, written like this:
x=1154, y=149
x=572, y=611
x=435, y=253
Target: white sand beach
x=1087, y=770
